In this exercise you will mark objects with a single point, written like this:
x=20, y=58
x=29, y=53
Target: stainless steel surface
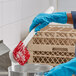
x=4, y=62
x=29, y=70
x=4, y=57
x=3, y=48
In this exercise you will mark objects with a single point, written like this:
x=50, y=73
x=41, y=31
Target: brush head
x=21, y=54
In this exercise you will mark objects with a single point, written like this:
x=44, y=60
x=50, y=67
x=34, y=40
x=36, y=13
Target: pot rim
x=45, y=65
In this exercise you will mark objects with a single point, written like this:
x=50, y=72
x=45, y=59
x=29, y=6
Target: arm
x=65, y=69
x=43, y=19
x=69, y=18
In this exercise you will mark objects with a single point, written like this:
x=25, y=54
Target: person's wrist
x=59, y=17
x=69, y=18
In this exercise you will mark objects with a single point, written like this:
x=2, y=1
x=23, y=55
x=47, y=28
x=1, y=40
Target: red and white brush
x=20, y=54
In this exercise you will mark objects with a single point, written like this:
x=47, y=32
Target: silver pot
x=29, y=70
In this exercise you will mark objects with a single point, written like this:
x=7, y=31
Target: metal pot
x=29, y=70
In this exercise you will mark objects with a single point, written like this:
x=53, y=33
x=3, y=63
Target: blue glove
x=44, y=19
x=65, y=69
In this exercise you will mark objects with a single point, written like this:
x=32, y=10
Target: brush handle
x=29, y=37
x=32, y=33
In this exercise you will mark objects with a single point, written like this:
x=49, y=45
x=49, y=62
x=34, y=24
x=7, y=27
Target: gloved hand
x=65, y=69
x=44, y=19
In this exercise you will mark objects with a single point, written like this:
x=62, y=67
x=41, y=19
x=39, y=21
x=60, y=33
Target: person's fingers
x=39, y=27
x=35, y=22
x=32, y=26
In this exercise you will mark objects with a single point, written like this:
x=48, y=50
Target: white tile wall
x=12, y=34
x=16, y=10
x=25, y=27
x=3, y=0
x=1, y=4
x=31, y=7
x=67, y=5
x=16, y=17
x=11, y=11
x=1, y=37
x=1, y=33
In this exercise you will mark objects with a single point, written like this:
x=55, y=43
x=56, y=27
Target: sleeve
x=74, y=18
